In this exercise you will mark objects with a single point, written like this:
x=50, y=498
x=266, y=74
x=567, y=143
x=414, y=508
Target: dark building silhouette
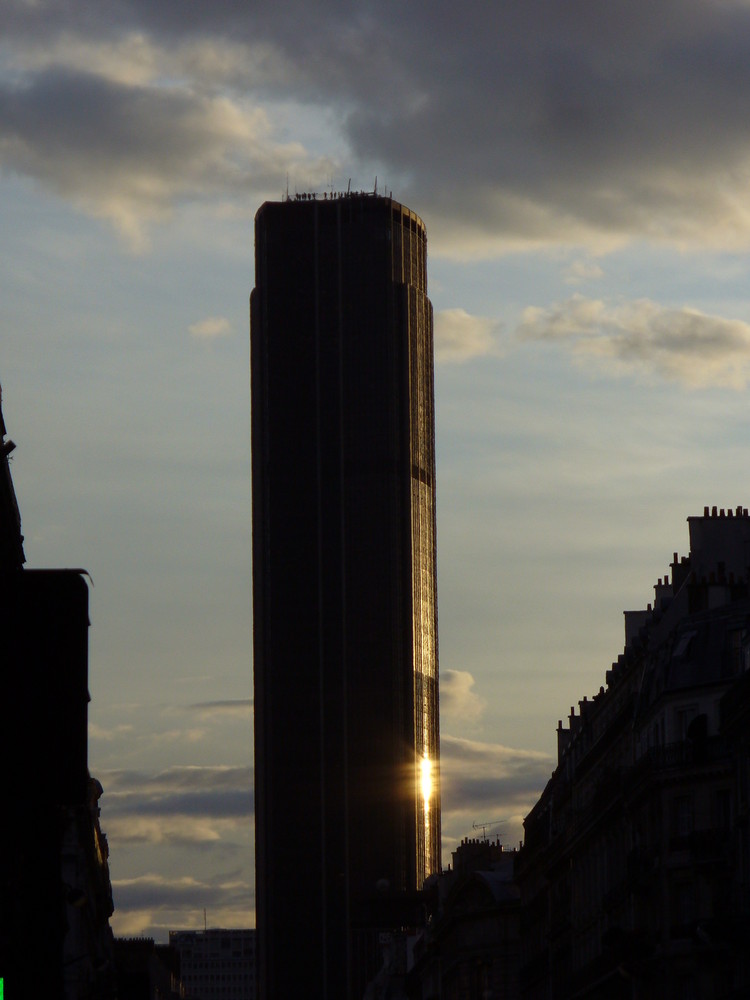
x=148, y=971
x=11, y=540
x=55, y=893
x=634, y=871
x=344, y=583
x=471, y=945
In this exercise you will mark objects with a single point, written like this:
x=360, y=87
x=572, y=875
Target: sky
x=583, y=171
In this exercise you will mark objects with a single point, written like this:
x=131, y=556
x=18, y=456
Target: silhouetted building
x=11, y=540
x=216, y=964
x=734, y=932
x=633, y=872
x=471, y=945
x=344, y=582
x=147, y=971
x=55, y=893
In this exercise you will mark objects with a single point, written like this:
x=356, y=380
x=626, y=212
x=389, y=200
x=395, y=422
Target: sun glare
x=426, y=781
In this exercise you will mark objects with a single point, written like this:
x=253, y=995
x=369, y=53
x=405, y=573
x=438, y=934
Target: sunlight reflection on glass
x=426, y=780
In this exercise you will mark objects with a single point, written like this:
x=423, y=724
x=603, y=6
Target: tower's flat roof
x=328, y=197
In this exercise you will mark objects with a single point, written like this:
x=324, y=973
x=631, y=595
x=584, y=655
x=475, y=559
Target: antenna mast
x=484, y=827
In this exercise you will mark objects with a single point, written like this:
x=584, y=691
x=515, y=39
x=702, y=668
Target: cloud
x=132, y=57
x=502, y=759
x=580, y=271
x=130, y=153
x=457, y=698
x=474, y=773
x=166, y=831
x=152, y=904
x=180, y=778
x=488, y=783
x=461, y=337
x=203, y=813
x=681, y=345
x=216, y=804
x=109, y=735
x=211, y=327
x=178, y=892
x=239, y=707
x=515, y=124
x=181, y=805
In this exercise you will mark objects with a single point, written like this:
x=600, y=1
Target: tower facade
x=347, y=797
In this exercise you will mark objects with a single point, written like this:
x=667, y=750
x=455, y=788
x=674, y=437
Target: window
x=723, y=809
x=684, y=715
x=682, y=815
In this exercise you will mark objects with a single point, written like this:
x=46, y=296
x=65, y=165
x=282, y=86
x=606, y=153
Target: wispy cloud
x=580, y=271
x=211, y=327
x=181, y=805
x=180, y=778
x=461, y=337
x=221, y=709
x=642, y=337
x=109, y=735
x=166, y=831
x=185, y=891
x=189, y=811
x=153, y=904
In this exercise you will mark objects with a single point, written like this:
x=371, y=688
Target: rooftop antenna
x=376, y=184
x=349, y=187
x=484, y=827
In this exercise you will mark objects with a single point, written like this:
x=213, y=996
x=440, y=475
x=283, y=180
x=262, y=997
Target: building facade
x=55, y=891
x=471, y=944
x=633, y=873
x=216, y=964
x=344, y=582
x=147, y=971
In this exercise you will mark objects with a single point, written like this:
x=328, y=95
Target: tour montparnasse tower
x=347, y=794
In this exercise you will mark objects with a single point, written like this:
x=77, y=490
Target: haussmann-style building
x=345, y=617
x=634, y=872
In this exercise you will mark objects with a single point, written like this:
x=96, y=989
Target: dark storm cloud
x=532, y=120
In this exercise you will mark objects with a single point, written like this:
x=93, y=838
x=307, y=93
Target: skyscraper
x=345, y=621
